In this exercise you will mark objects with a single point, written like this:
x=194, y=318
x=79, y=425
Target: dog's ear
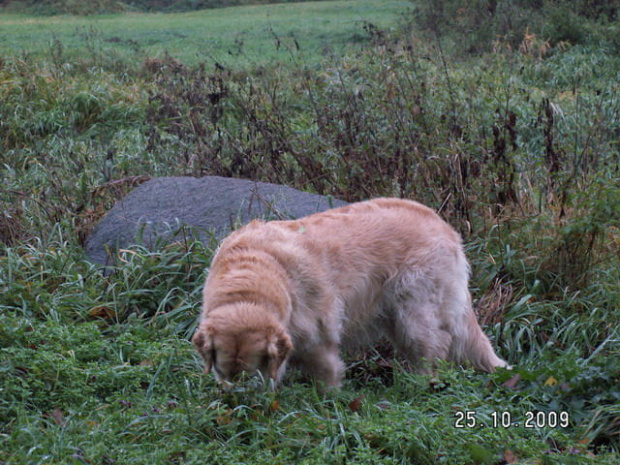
x=279, y=348
x=203, y=341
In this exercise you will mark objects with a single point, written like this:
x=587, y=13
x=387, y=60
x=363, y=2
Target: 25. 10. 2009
x=540, y=419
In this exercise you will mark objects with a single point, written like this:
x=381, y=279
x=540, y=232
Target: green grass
x=517, y=148
x=235, y=36
x=100, y=370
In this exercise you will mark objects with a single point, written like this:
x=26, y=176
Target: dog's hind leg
x=420, y=339
x=414, y=326
x=435, y=321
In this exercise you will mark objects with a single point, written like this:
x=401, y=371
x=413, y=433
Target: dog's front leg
x=324, y=364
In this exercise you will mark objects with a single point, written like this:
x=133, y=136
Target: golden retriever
x=303, y=290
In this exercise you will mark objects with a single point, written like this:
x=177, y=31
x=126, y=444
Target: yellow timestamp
x=539, y=419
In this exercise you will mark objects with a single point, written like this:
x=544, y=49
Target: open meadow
x=237, y=36
x=503, y=116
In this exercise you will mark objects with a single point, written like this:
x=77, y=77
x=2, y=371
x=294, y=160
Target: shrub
x=481, y=23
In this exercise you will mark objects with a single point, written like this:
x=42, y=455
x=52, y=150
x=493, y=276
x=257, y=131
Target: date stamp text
x=470, y=419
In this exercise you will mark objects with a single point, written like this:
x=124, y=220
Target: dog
x=301, y=291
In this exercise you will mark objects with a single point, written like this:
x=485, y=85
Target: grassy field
x=237, y=36
x=506, y=122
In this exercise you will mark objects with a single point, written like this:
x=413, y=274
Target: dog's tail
x=477, y=348
x=469, y=343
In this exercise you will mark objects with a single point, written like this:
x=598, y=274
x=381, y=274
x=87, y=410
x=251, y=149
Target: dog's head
x=241, y=340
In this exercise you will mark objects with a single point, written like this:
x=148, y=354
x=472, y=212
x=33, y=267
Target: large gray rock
x=165, y=209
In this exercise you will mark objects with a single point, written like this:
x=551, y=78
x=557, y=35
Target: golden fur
x=302, y=290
